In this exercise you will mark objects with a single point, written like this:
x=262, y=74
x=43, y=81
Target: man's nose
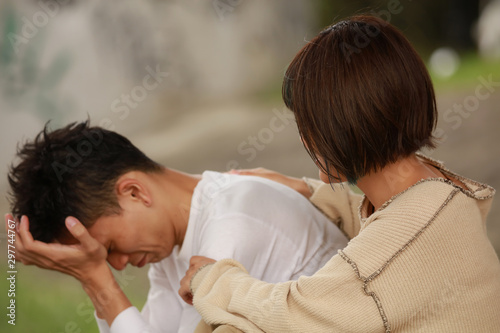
x=118, y=260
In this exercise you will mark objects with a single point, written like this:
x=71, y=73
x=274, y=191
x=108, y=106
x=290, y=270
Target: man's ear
x=131, y=186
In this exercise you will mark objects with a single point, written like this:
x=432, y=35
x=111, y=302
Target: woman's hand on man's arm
x=195, y=263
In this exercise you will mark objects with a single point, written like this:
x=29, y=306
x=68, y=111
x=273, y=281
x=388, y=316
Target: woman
x=419, y=259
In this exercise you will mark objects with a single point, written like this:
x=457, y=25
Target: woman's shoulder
x=430, y=195
x=469, y=187
x=430, y=210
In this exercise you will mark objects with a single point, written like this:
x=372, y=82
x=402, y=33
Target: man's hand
x=86, y=261
x=78, y=260
x=195, y=264
x=297, y=184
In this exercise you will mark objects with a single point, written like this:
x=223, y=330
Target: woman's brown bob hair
x=362, y=97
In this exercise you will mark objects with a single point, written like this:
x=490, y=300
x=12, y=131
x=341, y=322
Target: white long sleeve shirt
x=276, y=233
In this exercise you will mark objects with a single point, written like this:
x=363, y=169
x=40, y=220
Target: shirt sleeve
x=252, y=242
x=161, y=313
x=101, y=324
x=337, y=202
x=127, y=321
x=130, y=321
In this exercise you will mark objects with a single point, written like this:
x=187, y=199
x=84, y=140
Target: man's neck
x=176, y=191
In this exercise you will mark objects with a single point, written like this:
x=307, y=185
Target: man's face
x=135, y=237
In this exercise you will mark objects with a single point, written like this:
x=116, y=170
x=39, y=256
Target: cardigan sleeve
x=337, y=202
x=224, y=294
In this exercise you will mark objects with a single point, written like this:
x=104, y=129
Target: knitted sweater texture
x=421, y=263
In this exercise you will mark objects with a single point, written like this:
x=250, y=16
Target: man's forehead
x=103, y=230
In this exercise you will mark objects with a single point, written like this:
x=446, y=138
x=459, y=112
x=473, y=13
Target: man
x=93, y=191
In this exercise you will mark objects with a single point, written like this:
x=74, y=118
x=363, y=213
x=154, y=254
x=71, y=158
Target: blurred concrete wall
x=133, y=65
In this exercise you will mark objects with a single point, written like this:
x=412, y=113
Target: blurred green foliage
x=470, y=68
x=428, y=24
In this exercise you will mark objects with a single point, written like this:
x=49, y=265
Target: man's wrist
x=105, y=293
x=97, y=277
x=100, y=286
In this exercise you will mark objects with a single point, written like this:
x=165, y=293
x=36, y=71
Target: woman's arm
x=339, y=203
x=328, y=301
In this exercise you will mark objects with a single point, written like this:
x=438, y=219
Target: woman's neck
x=394, y=178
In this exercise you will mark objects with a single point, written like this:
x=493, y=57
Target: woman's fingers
x=297, y=184
x=195, y=263
x=185, y=288
x=262, y=172
x=198, y=261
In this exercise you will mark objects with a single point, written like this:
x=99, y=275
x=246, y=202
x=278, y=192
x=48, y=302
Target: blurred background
x=196, y=85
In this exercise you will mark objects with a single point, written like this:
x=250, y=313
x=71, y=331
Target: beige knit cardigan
x=420, y=263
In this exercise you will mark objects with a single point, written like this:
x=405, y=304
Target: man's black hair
x=71, y=171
